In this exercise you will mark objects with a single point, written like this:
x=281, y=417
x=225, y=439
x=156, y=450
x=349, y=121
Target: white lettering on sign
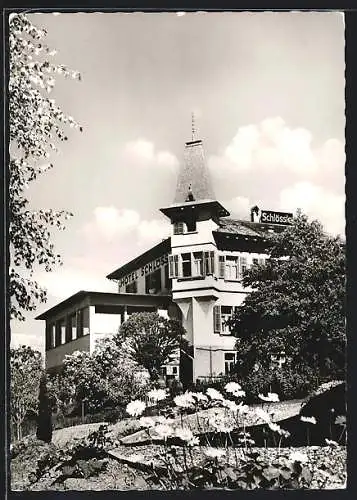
x=143, y=271
x=276, y=217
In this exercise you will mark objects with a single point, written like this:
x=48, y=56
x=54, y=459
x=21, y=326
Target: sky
x=267, y=90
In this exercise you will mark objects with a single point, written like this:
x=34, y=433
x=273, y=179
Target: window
x=79, y=323
x=221, y=314
x=186, y=265
x=197, y=264
x=53, y=335
x=260, y=261
x=48, y=336
x=179, y=228
x=232, y=268
x=230, y=359
x=208, y=263
x=166, y=277
x=58, y=334
x=174, y=370
x=132, y=287
x=153, y=282
x=68, y=329
x=191, y=226
x=226, y=315
x=74, y=326
x=173, y=266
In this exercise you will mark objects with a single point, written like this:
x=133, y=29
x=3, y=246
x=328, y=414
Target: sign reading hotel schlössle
x=144, y=270
x=269, y=217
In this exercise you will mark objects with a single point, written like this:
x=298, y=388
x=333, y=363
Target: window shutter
x=171, y=266
x=205, y=264
x=211, y=260
x=177, y=266
x=221, y=266
x=217, y=321
x=243, y=265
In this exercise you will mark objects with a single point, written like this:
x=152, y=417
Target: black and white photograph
x=177, y=250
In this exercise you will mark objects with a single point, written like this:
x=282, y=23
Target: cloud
x=271, y=161
x=109, y=222
x=316, y=202
x=153, y=230
x=238, y=206
x=141, y=154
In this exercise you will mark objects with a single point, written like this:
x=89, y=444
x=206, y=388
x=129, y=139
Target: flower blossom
x=135, y=408
x=199, y=396
x=274, y=427
x=263, y=415
x=184, y=400
x=297, y=456
x=231, y=405
x=308, y=420
x=272, y=397
x=329, y=442
x=232, y=387
x=194, y=441
x=340, y=420
x=214, y=394
x=184, y=434
x=164, y=431
x=157, y=395
x=214, y=452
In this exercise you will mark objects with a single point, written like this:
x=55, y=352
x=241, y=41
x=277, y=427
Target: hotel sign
x=144, y=270
x=268, y=217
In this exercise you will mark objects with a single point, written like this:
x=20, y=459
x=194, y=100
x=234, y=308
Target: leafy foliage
x=44, y=423
x=35, y=124
x=25, y=371
x=297, y=305
x=104, y=379
x=149, y=339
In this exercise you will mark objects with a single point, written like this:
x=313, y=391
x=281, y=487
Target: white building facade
x=194, y=276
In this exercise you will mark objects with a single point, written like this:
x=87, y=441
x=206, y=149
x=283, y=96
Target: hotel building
x=195, y=276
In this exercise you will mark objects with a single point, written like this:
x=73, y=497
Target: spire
x=194, y=178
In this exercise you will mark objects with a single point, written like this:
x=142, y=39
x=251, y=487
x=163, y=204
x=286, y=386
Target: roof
x=194, y=172
x=106, y=298
x=202, y=210
x=247, y=228
x=153, y=253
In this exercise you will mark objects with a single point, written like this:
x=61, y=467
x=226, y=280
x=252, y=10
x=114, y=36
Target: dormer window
x=191, y=226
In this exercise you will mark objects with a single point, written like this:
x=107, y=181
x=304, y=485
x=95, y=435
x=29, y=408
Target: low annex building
x=195, y=276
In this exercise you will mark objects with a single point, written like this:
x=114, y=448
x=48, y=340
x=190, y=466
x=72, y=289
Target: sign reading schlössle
x=269, y=217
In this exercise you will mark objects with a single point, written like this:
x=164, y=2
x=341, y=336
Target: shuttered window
x=173, y=266
x=208, y=263
x=243, y=265
x=179, y=228
x=221, y=266
x=217, y=321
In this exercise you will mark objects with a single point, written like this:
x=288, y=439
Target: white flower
x=214, y=452
x=199, y=396
x=239, y=394
x=231, y=405
x=263, y=415
x=214, y=394
x=184, y=434
x=329, y=442
x=135, y=408
x=272, y=397
x=164, y=431
x=232, y=387
x=194, y=441
x=157, y=395
x=184, y=400
x=147, y=422
x=308, y=420
x=340, y=420
x=243, y=409
x=274, y=427
x=298, y=457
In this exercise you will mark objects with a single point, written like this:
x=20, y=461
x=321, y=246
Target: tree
x=105, y=378
x=150, y=339
x=25, y=371
x=44, y=421
x=34, y=128
x=297, y=304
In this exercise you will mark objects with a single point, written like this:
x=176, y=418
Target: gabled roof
x=153, y=253
x=247, y=228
